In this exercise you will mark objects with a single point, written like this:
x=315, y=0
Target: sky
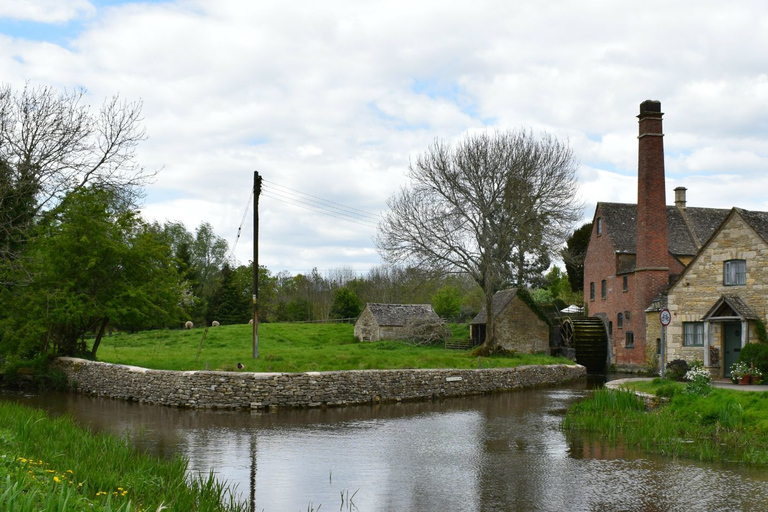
x=330, y=101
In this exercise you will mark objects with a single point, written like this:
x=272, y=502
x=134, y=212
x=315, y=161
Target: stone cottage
x=517, y=327
x=718, y=300
x=388, y=321
x=703, y=264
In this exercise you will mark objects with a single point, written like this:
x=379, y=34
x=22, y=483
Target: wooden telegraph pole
x=256, y=194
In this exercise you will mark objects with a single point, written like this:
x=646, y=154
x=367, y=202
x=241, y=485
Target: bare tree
x=483, y=208
x=51, y=143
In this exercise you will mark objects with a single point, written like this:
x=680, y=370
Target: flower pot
x=755, y=380
x=744, y=381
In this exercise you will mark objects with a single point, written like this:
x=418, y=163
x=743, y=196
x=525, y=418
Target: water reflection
x=501, y=452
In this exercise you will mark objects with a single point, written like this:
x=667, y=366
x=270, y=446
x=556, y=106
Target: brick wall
x=235, y=390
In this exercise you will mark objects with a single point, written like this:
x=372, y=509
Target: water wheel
x=587, y=337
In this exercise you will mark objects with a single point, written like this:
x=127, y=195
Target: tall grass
x=52, y=464
x=725, y=425
x=290, y=348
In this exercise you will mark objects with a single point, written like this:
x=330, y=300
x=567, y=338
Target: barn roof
x=400, y=314
x=501, y=300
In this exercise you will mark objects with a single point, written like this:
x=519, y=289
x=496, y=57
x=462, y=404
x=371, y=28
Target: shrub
x=698, y=379
x=676, y=369
x=757, y=354
x=425, y=331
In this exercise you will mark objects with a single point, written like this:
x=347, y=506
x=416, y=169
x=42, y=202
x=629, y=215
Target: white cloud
x=45, y=11
x=333, y=99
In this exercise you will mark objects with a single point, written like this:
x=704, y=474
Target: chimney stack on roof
x=680, y=197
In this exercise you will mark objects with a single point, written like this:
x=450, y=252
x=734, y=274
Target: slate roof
x=500, y=301
x=736, y=304
x=620, y=221
x=400, y=314
x=758, y=221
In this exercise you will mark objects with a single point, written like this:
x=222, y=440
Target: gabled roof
x=687, y=230
x=757, y=220
x=731, y=303
x=400, y=314
x=501, y=300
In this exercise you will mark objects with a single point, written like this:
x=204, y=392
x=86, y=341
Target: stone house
x=517, y=327
x=722, y=294
x=646, y=256
x=388, y=321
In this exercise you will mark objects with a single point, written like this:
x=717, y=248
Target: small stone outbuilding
x=517, y=327
x=388, y=321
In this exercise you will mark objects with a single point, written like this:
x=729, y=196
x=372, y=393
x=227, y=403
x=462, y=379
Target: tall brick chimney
x=652, y=248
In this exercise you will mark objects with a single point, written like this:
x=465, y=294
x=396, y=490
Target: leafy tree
x=573, y=256
x=232, y=301
x=51, y=144
x=447, y=302
x=94, y=264
x=482, y=206
x=346, y=304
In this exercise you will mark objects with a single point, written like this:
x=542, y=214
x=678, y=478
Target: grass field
x=296, y=347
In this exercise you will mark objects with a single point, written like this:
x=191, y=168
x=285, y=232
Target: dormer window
x=735, y=272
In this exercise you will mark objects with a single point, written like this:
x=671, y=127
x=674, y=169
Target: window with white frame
x=693, y=334
x=735, y=272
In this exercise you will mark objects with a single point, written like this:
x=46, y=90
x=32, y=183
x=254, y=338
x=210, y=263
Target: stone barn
x=517, y=326
x=388, y=321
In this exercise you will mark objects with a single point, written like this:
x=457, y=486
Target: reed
x=725, y=425
x=51, y=464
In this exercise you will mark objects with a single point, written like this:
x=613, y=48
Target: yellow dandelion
x=124, y=493
x=22, y=459
x=80, y=484
x=70, y=471
x=56, y=479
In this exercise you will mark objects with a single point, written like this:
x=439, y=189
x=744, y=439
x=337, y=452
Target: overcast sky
x=329, y=100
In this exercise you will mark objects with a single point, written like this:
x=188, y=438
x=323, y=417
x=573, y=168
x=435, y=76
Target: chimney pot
x=680, y=197
x=651, y=106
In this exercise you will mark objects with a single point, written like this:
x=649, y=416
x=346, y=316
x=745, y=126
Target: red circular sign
x=665, y=316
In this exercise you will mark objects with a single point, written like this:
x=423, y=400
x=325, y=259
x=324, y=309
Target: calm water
x=495, y=453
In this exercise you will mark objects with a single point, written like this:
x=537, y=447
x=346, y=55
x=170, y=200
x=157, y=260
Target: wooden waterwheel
x=587, y=337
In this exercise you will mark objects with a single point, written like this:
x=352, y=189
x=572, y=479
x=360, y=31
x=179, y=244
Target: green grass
x=52, y=464
x=290, y=347
x=724, y=425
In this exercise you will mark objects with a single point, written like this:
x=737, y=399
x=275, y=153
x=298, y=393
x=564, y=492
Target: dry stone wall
x=236, y=390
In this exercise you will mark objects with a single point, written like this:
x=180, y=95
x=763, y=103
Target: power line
x=325, y=208
x=325, y=202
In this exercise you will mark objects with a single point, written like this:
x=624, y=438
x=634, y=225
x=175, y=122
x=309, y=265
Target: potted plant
x=755, y=375
x=739, y=373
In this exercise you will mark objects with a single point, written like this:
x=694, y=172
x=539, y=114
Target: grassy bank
x=290, y=348
x=51, y=464
x=724, y=425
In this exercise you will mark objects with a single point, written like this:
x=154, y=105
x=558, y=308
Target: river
x=491, y=453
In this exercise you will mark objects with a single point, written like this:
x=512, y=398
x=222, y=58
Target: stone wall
x=235, y=390
x=518, y=328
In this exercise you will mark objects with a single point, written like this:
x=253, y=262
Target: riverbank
x=725, y=425
x=52, y=464
x=243, y=390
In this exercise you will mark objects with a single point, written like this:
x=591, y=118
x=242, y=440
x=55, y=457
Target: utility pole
x=256, y=194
